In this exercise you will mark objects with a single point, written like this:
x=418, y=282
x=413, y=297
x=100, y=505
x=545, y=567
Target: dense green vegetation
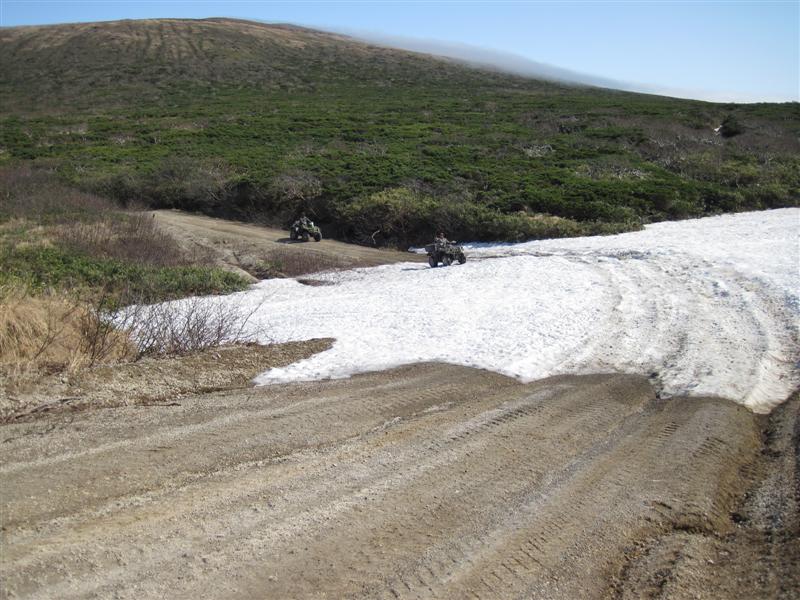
x=43, y=268
x=380, y=146
x=52, y=237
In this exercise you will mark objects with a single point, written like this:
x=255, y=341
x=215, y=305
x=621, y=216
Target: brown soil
x=152, y=380
x=429, y=481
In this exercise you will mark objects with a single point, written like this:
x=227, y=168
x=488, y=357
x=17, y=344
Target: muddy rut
x=428, y=481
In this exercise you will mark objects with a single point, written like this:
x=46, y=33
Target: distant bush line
x=391, y=167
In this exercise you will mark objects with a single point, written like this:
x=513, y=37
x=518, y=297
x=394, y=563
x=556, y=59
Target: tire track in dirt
x=424, y=481
x=232, y=242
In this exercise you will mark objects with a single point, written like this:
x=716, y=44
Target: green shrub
x=719, y=200
x=395, y=216
x=42, y=267
x=731, y=127
x=403, y=217
x=771, y=196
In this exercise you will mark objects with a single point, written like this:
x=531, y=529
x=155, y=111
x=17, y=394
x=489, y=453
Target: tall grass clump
x=53, y=332
x=56, y=333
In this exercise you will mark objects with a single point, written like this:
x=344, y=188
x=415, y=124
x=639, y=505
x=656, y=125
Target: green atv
x=445, y=253
x=303, y=229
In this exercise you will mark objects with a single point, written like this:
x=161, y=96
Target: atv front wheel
x=447, y=261
x=317, y=236
x=462, y=259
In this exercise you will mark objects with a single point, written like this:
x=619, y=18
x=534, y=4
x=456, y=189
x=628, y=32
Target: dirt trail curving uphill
x=427, y=481
x=234, y=244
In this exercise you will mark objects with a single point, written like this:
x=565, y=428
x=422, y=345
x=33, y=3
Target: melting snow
x=709, y=307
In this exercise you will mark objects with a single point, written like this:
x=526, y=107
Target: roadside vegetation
x=77, y=276
x=382, y=147
x=54, y=236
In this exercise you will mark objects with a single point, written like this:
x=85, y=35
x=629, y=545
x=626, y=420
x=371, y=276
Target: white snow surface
x=705, y=307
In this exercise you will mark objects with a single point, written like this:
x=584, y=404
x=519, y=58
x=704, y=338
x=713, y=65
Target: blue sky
x=722, y=50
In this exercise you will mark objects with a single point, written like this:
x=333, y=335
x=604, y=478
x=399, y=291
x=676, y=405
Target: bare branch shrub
x=178, y=182
x=536, y=150
x=101, y=339
x=184, y=326
x=37, y=194
x=293, y=190
x=132, y=238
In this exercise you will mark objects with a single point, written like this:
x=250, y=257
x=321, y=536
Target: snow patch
x=711, y=306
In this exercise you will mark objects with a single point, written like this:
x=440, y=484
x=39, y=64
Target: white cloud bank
x=519, y=65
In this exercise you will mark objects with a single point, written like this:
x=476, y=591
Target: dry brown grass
x=36, y=208
x=292, y=263
x=62, y=352
x=50, y=333
x=54, y=333
x=36, y=194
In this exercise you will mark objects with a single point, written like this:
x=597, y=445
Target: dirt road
x=428, y=481
x=241, y=246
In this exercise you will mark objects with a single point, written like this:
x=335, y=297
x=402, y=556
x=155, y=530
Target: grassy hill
x=382, y=146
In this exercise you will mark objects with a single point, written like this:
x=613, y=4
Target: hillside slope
x=84, y=63
x=382, y=146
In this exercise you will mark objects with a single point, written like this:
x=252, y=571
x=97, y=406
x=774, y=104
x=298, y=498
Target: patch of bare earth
x=153, y=380
x=757, y=553
x=426, y=481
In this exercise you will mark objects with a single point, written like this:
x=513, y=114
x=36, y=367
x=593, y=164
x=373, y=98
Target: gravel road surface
x=427, y=481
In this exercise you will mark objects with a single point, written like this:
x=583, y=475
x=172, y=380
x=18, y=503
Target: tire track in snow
x=710, y=306
x=683, y=321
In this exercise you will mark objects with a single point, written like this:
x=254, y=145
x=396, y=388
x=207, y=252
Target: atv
x=302, y=230
x=445, y=253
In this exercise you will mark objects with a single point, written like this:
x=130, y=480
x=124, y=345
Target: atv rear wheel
x=432, y=261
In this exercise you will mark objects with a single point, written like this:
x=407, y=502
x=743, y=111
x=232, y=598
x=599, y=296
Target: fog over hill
x=517, y=64
x=487, y=57
x=520, y=65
